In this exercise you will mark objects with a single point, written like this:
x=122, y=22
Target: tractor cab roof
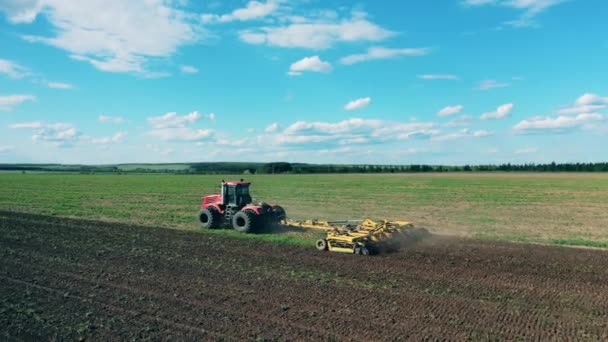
x=236, y=183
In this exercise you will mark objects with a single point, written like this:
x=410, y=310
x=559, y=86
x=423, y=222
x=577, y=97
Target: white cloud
x=559, y=124
x=358, y=103
x=116, y=138
x=491, y=84
x=586, y=103
x=117, y=37
x=28, y=125
x=465, y=133
x=60, y=134
x=378, y=52
x=110, y=119
x=319, y=34
x=172, y=127
x=500, y=113
x=181, y=134
x=530, y=8
x=438, y=77
x=253, y=10
x=12, y=69
x=313, y=63
x=273, y=127
x=580, y=109
x=526, y=150
x=348, y=132
x=188, y=69
x=591, y=99
x=59, y=85
x=450, y=110
x=463, y=120
x=172, y=120
x=21, y=11
x=7, y=102
x=5, y=149
x=159, y=150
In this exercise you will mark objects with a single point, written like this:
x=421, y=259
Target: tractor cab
x=235, y=194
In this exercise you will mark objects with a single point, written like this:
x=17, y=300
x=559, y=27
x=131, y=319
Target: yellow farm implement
x=362, y=237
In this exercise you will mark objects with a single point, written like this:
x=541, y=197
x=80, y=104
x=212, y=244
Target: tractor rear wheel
x=244, y=222
x=322, y=245
x=279, y=213
x=209, y=218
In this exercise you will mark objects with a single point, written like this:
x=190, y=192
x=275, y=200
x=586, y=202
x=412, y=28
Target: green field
x=569, y=209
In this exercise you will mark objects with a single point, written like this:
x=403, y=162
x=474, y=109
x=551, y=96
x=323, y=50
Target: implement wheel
x=209, y=218
x=362, y=250
x=322, y=245
x=244, y=222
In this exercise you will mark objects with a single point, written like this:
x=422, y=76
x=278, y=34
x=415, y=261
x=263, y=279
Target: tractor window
x=231, y=195
x=242, y=190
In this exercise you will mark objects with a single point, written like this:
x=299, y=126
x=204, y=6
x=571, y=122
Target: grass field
x=569, y=209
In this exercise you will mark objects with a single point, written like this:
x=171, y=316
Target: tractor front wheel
x=209, y=218
x=244, y=222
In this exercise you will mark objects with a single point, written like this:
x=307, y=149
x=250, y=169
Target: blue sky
x=389, y=82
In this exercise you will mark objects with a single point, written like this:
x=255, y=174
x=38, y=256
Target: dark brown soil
x=70, y=279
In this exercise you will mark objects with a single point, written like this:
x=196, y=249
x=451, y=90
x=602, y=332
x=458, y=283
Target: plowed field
x=73, y=279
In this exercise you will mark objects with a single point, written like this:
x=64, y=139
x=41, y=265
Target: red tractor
x=233, y=208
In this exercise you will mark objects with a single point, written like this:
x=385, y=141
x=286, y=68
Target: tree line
x=272, y=168
x=301, y=168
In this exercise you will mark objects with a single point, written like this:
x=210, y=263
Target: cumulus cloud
x=6, y=149
x=116, y=138
x=491, y=84
x=378, y=52
x=450, y=110
x=188, y=69
x=463, y=120
x=27, y=125
x=253, y=10
x=12, y=69
x=586, y=103
x=438, y=77
x=500, y=113
x=313, y=64
x=172, y=127
x=530, y=9
x=559, y=124
x=110, y=119
x=358, y=103
x=59, y=85
x=465, y=133
x=348, y=132
x=318, y=34
x=173, y=120
x=8, y=102
x=181, y=134
x=160, y=150
x=120, y=37
x=273, y=127
x=60, y=134
x=526, y=150
x=591, y=99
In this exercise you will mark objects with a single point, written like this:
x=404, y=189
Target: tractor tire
x=245, y=222
x=209, y=218
x=322, y=245
x=279, y=213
